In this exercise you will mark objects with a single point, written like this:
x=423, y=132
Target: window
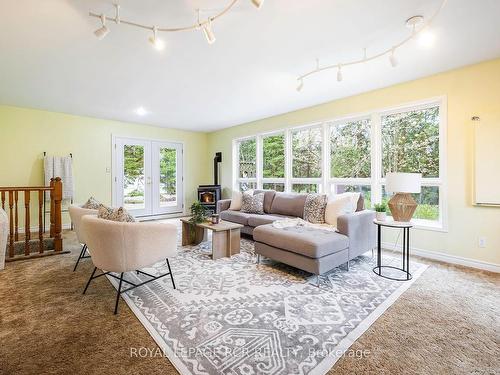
x=410, y=143
x=353, y=154
x=306, y=153
x=247, y=164
x=350, y=149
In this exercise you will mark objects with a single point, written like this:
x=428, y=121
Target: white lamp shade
x=396, y=182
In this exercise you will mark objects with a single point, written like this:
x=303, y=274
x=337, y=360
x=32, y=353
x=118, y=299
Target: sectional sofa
x=314, y=250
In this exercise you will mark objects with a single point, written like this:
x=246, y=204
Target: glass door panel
x=167, y=177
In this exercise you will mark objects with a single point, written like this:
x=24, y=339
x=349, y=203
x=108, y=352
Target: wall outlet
x=108, y=170
x=482, y=241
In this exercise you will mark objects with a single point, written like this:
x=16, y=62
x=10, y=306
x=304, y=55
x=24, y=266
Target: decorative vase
x=380, y=216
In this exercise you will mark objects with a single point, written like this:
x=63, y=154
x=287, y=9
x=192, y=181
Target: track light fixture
x=207, y=30
x=258, y=3
x=205, y=26
x=155, y=41
x=300, y=86
x=339, y=74
x=418, y=28
x=392, y=59
x=101, y=32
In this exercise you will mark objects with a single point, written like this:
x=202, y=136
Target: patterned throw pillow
x=314, y=208
x=252, y=204
x=92, y=204
x=115, y=214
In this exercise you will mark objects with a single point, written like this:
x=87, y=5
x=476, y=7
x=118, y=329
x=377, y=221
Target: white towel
x=56, y=166
x=298, y=222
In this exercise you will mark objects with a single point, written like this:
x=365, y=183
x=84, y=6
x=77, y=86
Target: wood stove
x=209, y=195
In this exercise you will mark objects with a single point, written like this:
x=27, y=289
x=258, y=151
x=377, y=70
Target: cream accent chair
x=76, y=213
x=4, y=231
x=121, y=247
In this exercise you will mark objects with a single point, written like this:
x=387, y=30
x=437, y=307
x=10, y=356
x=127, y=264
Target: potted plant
x=198, y=215
x=380, y=211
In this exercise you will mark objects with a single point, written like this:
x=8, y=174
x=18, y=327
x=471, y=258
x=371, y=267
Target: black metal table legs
x=405, y=256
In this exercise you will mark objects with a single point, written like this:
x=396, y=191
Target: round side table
x=406, y=248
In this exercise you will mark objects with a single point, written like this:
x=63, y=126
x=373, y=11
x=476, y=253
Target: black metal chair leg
x=82, y=253
x=88, y=282
x=118, y=293
x=171, y=275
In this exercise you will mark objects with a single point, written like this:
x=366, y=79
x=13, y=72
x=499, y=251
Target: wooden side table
x=225, y=237
x=406, y=248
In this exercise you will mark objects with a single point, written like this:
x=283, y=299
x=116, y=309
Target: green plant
x=198, y=215
x=380, y=207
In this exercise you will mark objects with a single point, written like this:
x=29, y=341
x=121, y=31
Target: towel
x=56, y=166
x=298, y=222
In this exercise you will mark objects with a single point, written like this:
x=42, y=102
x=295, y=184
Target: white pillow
x=236, y=200
x=340, y=204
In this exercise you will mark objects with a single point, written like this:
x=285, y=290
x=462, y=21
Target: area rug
x=232, y=316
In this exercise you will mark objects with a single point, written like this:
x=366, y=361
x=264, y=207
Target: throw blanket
x=55, y=166
x=289, y=223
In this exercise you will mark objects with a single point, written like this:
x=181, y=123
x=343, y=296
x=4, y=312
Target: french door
x=148, y=176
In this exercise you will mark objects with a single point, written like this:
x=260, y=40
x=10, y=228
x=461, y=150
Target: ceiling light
x=101, y=32
x=413, y=22
x=207, y=30
x=393, y=59
x=155, y=41
x=258, y=3
x=339, y=74
x=300, y=86
x=426, y=38
x=141, y=111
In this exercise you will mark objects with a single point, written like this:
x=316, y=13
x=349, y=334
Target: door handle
x=148, y=180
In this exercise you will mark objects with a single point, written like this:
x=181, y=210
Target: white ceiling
x=50, y=59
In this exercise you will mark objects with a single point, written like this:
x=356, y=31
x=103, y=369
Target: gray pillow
x=314, y=208
x=115, y=214
x=253, y=204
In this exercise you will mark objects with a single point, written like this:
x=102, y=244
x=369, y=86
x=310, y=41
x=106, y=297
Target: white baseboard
x=453, y=259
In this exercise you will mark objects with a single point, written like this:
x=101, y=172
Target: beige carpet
x=446, y=323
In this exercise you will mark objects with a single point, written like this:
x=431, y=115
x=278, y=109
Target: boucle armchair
x=121, y=247
x=4, y=232
x=76, y=213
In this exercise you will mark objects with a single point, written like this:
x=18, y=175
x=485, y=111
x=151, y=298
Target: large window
x=353, y=154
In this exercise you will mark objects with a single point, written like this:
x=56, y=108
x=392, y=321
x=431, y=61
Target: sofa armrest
x=223, y=205
x=361, y=231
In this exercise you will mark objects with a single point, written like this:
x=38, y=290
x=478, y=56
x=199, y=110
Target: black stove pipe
x=217, y=160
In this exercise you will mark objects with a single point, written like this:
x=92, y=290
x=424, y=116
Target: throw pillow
x=314, y=208
x=338, y=205
x=353, y=196
x=115, y=214
x=92, y=204
x=252, y=204
x=236, y=200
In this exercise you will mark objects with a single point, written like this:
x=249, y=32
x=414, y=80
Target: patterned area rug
x=232, y=316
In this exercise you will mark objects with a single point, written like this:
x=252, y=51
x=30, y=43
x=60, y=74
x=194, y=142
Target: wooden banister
x=29, y=241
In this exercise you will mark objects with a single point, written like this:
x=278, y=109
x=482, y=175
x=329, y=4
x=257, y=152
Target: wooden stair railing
x=13, y=193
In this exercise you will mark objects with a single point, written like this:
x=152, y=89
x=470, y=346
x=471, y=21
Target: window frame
x=376, y=181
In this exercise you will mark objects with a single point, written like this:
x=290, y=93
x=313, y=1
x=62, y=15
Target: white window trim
x=376, y=181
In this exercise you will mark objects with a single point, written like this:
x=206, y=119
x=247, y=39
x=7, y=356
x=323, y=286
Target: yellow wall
x=26, y=133
x=473, y=90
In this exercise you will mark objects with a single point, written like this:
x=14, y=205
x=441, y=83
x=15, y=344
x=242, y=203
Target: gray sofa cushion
x=268, y=199
x=257, y=220
x=289, y=204
x=235, y=217
x=310, y=242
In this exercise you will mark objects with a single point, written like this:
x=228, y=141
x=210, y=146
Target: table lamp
x=402, y=204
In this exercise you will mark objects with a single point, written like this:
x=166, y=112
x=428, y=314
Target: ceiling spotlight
x=393, y=59
x=141, y=111
x=300, y=86
x=155, y=41
x=339, y=74
x=101, y=32
x=426, y=38
x=413, y=22
x=257, y=3
x=207, y=30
